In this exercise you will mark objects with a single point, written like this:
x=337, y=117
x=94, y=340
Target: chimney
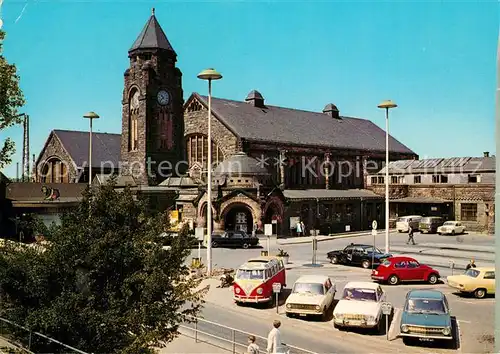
x=331, y=110
x=255, y=99
x=486, y=154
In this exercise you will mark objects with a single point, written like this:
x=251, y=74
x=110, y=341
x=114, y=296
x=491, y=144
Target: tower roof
x=152, y=37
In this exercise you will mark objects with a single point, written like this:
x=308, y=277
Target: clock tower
x=152, y=109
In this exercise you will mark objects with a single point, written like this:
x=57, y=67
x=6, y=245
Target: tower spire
x=152, y=37
x=153, y=11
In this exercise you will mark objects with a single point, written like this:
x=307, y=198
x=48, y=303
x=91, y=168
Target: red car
x=401, y=269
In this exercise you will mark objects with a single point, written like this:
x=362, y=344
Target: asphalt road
x=475, y=317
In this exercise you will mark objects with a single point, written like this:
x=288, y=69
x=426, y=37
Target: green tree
x=11, y=99
x=104, y=283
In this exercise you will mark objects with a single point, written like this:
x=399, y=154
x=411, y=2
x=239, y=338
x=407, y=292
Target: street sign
x=276, y=287
x=374, y=232
x=386, y=308
x=268, y=229
x=199, y=233
x=374, y=224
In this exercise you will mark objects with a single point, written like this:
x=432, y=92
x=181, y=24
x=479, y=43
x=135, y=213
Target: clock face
x=163, y=97
x=134, y=102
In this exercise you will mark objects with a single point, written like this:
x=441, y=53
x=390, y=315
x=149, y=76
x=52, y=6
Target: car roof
x=359, y=245
x=312, y=279
x=485, y=269
x=425, y=294
x=401, y=258
x=362, y=284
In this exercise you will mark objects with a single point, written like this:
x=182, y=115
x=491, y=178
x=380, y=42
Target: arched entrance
x=238, y=217
x=273, y=216
x=202, y=217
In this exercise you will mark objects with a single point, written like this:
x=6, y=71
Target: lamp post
x=388, y=104
x=209, y=75
x=90, y=116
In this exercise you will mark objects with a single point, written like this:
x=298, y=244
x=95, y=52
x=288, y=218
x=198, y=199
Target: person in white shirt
x=274, y=338
x=252, y=347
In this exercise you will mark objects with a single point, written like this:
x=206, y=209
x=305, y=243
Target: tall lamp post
x=209, y=75
x=90, y=116
x=388, y=104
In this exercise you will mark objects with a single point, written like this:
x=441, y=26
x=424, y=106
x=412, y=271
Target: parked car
x=358, y=254
x=234, y=239
x=402, y=224
x=360, y=306
x=451, y=228
x=477, y=281
x=430, y=224
x=311, y=295
x=402, y=269
x=426, y=314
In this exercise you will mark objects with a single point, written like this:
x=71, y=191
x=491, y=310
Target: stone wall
x=196, y=122
x=54, y=149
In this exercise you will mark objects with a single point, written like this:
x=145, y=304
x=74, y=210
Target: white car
x=360, y=306
x=451, y=228
x=402, y=223
x=311, y=295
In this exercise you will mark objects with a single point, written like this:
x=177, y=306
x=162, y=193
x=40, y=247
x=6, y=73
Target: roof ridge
x=83, y=131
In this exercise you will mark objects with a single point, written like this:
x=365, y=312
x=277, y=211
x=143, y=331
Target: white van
x=402, y=224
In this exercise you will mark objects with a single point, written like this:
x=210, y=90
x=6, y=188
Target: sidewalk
x=187, y=345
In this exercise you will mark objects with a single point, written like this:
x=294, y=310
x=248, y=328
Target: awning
x=323, y=194
x=420, y=200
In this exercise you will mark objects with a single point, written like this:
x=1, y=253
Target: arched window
x=54, y=171
x=197, y=150
x=133, y=115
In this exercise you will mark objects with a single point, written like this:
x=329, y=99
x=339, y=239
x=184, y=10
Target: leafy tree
x=104, y=283
x=11, y=99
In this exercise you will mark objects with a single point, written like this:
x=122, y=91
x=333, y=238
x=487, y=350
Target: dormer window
x=439, y=179
x=474, y=179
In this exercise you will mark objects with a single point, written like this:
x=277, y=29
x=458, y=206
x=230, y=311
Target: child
x=252, y=347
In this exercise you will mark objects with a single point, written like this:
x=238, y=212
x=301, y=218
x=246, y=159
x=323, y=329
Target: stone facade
x=54, y=150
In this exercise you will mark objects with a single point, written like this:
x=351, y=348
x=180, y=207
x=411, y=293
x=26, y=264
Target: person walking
x=252, y=347
x=410, y=234
x=471, y=264
x=299, y=228
x=274, y=338
x=303, y=227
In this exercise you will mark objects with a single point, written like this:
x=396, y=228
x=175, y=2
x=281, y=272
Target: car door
x=330, y=292
x=357, y=255
x=415, y=271
x=347, y=254
x=489, y=281
x=226, y=238
x=236, y=239
x=401, y=269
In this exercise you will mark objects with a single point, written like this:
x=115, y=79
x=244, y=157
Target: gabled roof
x=105, y=147
x=442, y=165
x=297, y=127
x=152, y=37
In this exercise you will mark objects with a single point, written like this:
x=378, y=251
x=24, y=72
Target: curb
x=325, y=238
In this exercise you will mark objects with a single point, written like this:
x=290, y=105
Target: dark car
x=426, y=314
x=430, y=224
x=357, y=254
x=234, y=239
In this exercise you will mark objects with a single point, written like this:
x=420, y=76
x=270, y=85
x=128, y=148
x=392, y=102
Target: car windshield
x=472, y=273
x=425, y=220
x=359, y=294
x=308, y=288
x=449, y=223
x=425, y=306
x=386, y=263
x=246, y=274
x=402, y=219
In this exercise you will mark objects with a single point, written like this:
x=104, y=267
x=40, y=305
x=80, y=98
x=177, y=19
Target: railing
x=228, y=338
x=33, y=339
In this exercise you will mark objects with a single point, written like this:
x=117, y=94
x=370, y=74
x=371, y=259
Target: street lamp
x=388, y=104
x=209, y=74
x=90, y=116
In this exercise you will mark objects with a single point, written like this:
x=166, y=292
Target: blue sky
x=437, y=60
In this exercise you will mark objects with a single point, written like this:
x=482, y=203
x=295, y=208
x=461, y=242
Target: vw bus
x=254, y=280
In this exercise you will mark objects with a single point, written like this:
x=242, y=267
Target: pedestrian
x=274, y=338
x=299, y=228
x=303, y=227
x=471, y=264
x=252, y=347
x=410, y=233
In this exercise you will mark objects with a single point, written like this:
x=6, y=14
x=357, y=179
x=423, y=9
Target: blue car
x=426, y=314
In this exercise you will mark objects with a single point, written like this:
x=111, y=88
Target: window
x=401, y=179
x=400, y=265
x=380, y=180
x=474, y=179
x=417, y=179
x=439, y=179
x=413, y=264
x=468, y=211
x=374, y=180
x=54, y=171
x=394, y=179
x=197, y=150
x=489, y=275
x=472, y=273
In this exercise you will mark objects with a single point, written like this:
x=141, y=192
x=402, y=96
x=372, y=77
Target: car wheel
x=215, y=244
x=366, y=264
x=407, y=341
x=324, y=315
x=480, y=293
x=393, y=279
x=453, y=233
x=245, y=245
x=433, y=279
x=439, y=233
x=334, y=260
